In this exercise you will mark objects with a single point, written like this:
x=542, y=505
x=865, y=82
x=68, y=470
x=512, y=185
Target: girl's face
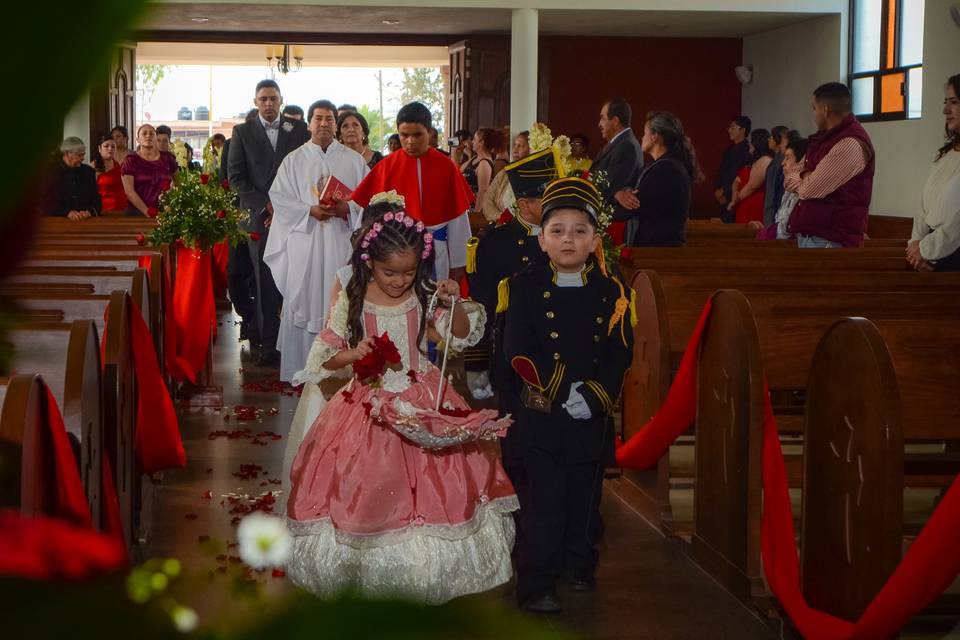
x=396, y=274
x=107, y=147
x=569, y=239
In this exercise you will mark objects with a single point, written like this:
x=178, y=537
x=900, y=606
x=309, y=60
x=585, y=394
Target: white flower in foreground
x=264, y=541
x=184, y=619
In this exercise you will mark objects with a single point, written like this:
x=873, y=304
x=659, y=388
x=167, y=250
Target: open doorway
x=200, y=89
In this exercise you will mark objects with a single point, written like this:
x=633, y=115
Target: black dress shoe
x=581, y=582
x=269, y=358
x=548, y=603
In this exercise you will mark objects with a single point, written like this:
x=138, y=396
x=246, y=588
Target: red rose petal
x=278, y=573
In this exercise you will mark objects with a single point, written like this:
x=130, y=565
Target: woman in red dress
x=750, y=184
x=109, y=182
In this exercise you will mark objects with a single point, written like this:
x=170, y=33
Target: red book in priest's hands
x=330, y=190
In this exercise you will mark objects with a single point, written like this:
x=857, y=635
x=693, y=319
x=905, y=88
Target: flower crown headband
x=399, y=218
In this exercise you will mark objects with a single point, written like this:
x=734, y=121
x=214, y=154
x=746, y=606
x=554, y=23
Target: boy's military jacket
x=554, y=337
x=501, y=253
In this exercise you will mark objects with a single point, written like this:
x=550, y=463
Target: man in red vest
x=432, y=187
x=835, y=178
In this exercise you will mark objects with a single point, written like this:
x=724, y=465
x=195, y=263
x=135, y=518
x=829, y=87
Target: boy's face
x=568, y=238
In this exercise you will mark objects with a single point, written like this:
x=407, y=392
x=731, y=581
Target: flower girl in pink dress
x=397, y=489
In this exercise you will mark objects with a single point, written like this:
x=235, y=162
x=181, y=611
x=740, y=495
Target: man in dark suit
x=257, y=147
x=736, y=156
x=622, y=158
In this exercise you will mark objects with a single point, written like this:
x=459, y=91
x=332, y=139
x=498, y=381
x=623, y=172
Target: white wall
x=788, y=64
x=905, y=149
x=77, y=121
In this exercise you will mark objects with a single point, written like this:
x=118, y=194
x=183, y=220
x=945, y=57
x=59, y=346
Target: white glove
x=479, y=384
x=575, y=405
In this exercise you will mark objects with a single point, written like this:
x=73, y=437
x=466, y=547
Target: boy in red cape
x=433, y=189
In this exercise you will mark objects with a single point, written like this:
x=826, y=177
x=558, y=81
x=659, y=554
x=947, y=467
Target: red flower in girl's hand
x=383, y=355
x=165, y=185
x=204, y=178
x=152, y=212
x=387, y=349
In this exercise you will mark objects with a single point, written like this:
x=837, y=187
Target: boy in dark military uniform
x=504, y=251
x=568, y=337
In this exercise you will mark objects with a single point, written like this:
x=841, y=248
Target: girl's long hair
x=393, y=237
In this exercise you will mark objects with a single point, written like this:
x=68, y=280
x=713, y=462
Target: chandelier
x=282, y=54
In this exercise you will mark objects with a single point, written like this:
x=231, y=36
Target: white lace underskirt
x=431, y=563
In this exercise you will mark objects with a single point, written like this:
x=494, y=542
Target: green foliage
x=103, y=610
x=351, y=616
x=199, y=211
x=425, y=84
x=148, y=77
x=377, y=124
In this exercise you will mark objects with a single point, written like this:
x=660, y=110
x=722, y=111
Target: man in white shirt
x=309, y=241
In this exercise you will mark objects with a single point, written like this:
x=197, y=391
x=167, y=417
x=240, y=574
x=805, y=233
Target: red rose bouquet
x=383, y=356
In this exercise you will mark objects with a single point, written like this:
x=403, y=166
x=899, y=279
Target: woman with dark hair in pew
x=659, y=206
x=749, y=188
x=935, y=242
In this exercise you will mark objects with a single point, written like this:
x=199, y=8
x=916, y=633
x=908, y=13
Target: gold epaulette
x=472, y=254
x=503, y=295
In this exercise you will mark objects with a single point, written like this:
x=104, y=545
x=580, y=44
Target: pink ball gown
x=370, y=509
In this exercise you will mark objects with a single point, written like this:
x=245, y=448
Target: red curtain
x=928, y=568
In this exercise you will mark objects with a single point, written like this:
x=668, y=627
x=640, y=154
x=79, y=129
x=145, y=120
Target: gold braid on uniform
x=619, y=311
x=601, y=258
x=472, y=254
x=503, y=295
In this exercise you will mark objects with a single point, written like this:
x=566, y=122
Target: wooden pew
x=64, y=298
x=853, y=471
x=856, y=420
x=23, y=417
x=683, y=260
x=76, y=375
x=889, y=226
x=790, y=324
x=100, y=225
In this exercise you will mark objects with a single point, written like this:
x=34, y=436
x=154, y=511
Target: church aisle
x=646, y=587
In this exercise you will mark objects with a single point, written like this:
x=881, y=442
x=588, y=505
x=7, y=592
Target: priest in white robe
x=308, y=242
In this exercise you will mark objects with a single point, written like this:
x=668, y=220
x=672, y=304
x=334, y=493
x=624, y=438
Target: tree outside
x=425, y=84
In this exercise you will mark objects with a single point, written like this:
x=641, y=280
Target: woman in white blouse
x=935, y=242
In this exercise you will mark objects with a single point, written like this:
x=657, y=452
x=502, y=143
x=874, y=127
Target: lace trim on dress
x=328, y=343
x=416, y=527
x=477, y=318
x=430, y=564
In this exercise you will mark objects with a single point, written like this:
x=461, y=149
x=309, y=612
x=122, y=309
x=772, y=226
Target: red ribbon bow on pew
x=927, y=569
